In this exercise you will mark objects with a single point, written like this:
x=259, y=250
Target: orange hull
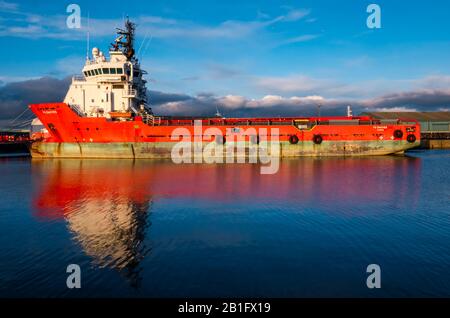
x=64, y=125
x=338, y=134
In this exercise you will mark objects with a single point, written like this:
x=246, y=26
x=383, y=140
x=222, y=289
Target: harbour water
x=156, y=229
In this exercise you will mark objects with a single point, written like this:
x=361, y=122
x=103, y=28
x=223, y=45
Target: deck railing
x=77, y=109
x=337, y=121
x=130, y=93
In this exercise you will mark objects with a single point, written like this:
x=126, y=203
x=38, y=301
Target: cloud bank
x=14, y=98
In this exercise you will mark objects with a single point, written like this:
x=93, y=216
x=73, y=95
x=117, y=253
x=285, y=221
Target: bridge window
x=86, y=73
x=105, y=70
x=119, y=71
x=90, y=73
x=99, y=71
x=112, y=70
x=96, y=72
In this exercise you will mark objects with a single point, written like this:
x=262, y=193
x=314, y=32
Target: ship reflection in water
x=226, y=230
x=106, y=205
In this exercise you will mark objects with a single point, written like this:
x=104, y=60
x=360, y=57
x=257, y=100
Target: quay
x=14, y=143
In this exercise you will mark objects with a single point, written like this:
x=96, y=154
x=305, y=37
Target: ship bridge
x=111, y=87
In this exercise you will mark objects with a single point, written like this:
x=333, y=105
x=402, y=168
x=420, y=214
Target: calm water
x=162, y=230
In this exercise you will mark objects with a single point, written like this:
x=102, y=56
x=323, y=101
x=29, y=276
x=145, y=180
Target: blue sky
x=245, y=50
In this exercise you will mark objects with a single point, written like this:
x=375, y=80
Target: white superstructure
x=109, y=87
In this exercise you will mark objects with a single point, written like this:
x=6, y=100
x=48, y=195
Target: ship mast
x=87, y=38
x=125, y=40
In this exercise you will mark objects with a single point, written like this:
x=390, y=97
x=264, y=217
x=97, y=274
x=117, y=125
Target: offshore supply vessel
x=106, y=114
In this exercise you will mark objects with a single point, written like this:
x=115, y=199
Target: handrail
x=77, y=109
x=130, y=92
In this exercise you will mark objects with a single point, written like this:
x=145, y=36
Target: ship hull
x=163, y=150
x=73, y=136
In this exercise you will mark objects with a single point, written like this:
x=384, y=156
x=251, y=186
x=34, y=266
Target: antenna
x=146, y=46
x=142, y=43
x=87, y=40
x=218, y=114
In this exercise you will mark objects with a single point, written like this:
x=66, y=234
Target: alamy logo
x=73, y=21
x=374, y=19
x=237, y=144
x=74, y=279
x=374, y=279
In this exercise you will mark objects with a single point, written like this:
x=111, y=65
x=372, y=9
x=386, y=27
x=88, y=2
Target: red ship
x=105, y=114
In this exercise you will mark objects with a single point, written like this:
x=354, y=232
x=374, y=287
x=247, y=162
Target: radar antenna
x=125, y=46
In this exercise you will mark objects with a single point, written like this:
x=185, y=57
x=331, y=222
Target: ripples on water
x=157, y=229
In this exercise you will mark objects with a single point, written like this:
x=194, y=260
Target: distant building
x=435, y=126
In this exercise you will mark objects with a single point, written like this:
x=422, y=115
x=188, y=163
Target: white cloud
x=395, y=109
x=262, y=15
x=14, y=79
x=172, y=107
x=30, y=25
x=8, y=6
x=433, y=81
x=296, y=14
x=330, y=87
x=233, y=101
x=158, y=20
x=274, y=100
x=34, y=26
x=277, y=105
x=299, y=39
x=266, y=101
